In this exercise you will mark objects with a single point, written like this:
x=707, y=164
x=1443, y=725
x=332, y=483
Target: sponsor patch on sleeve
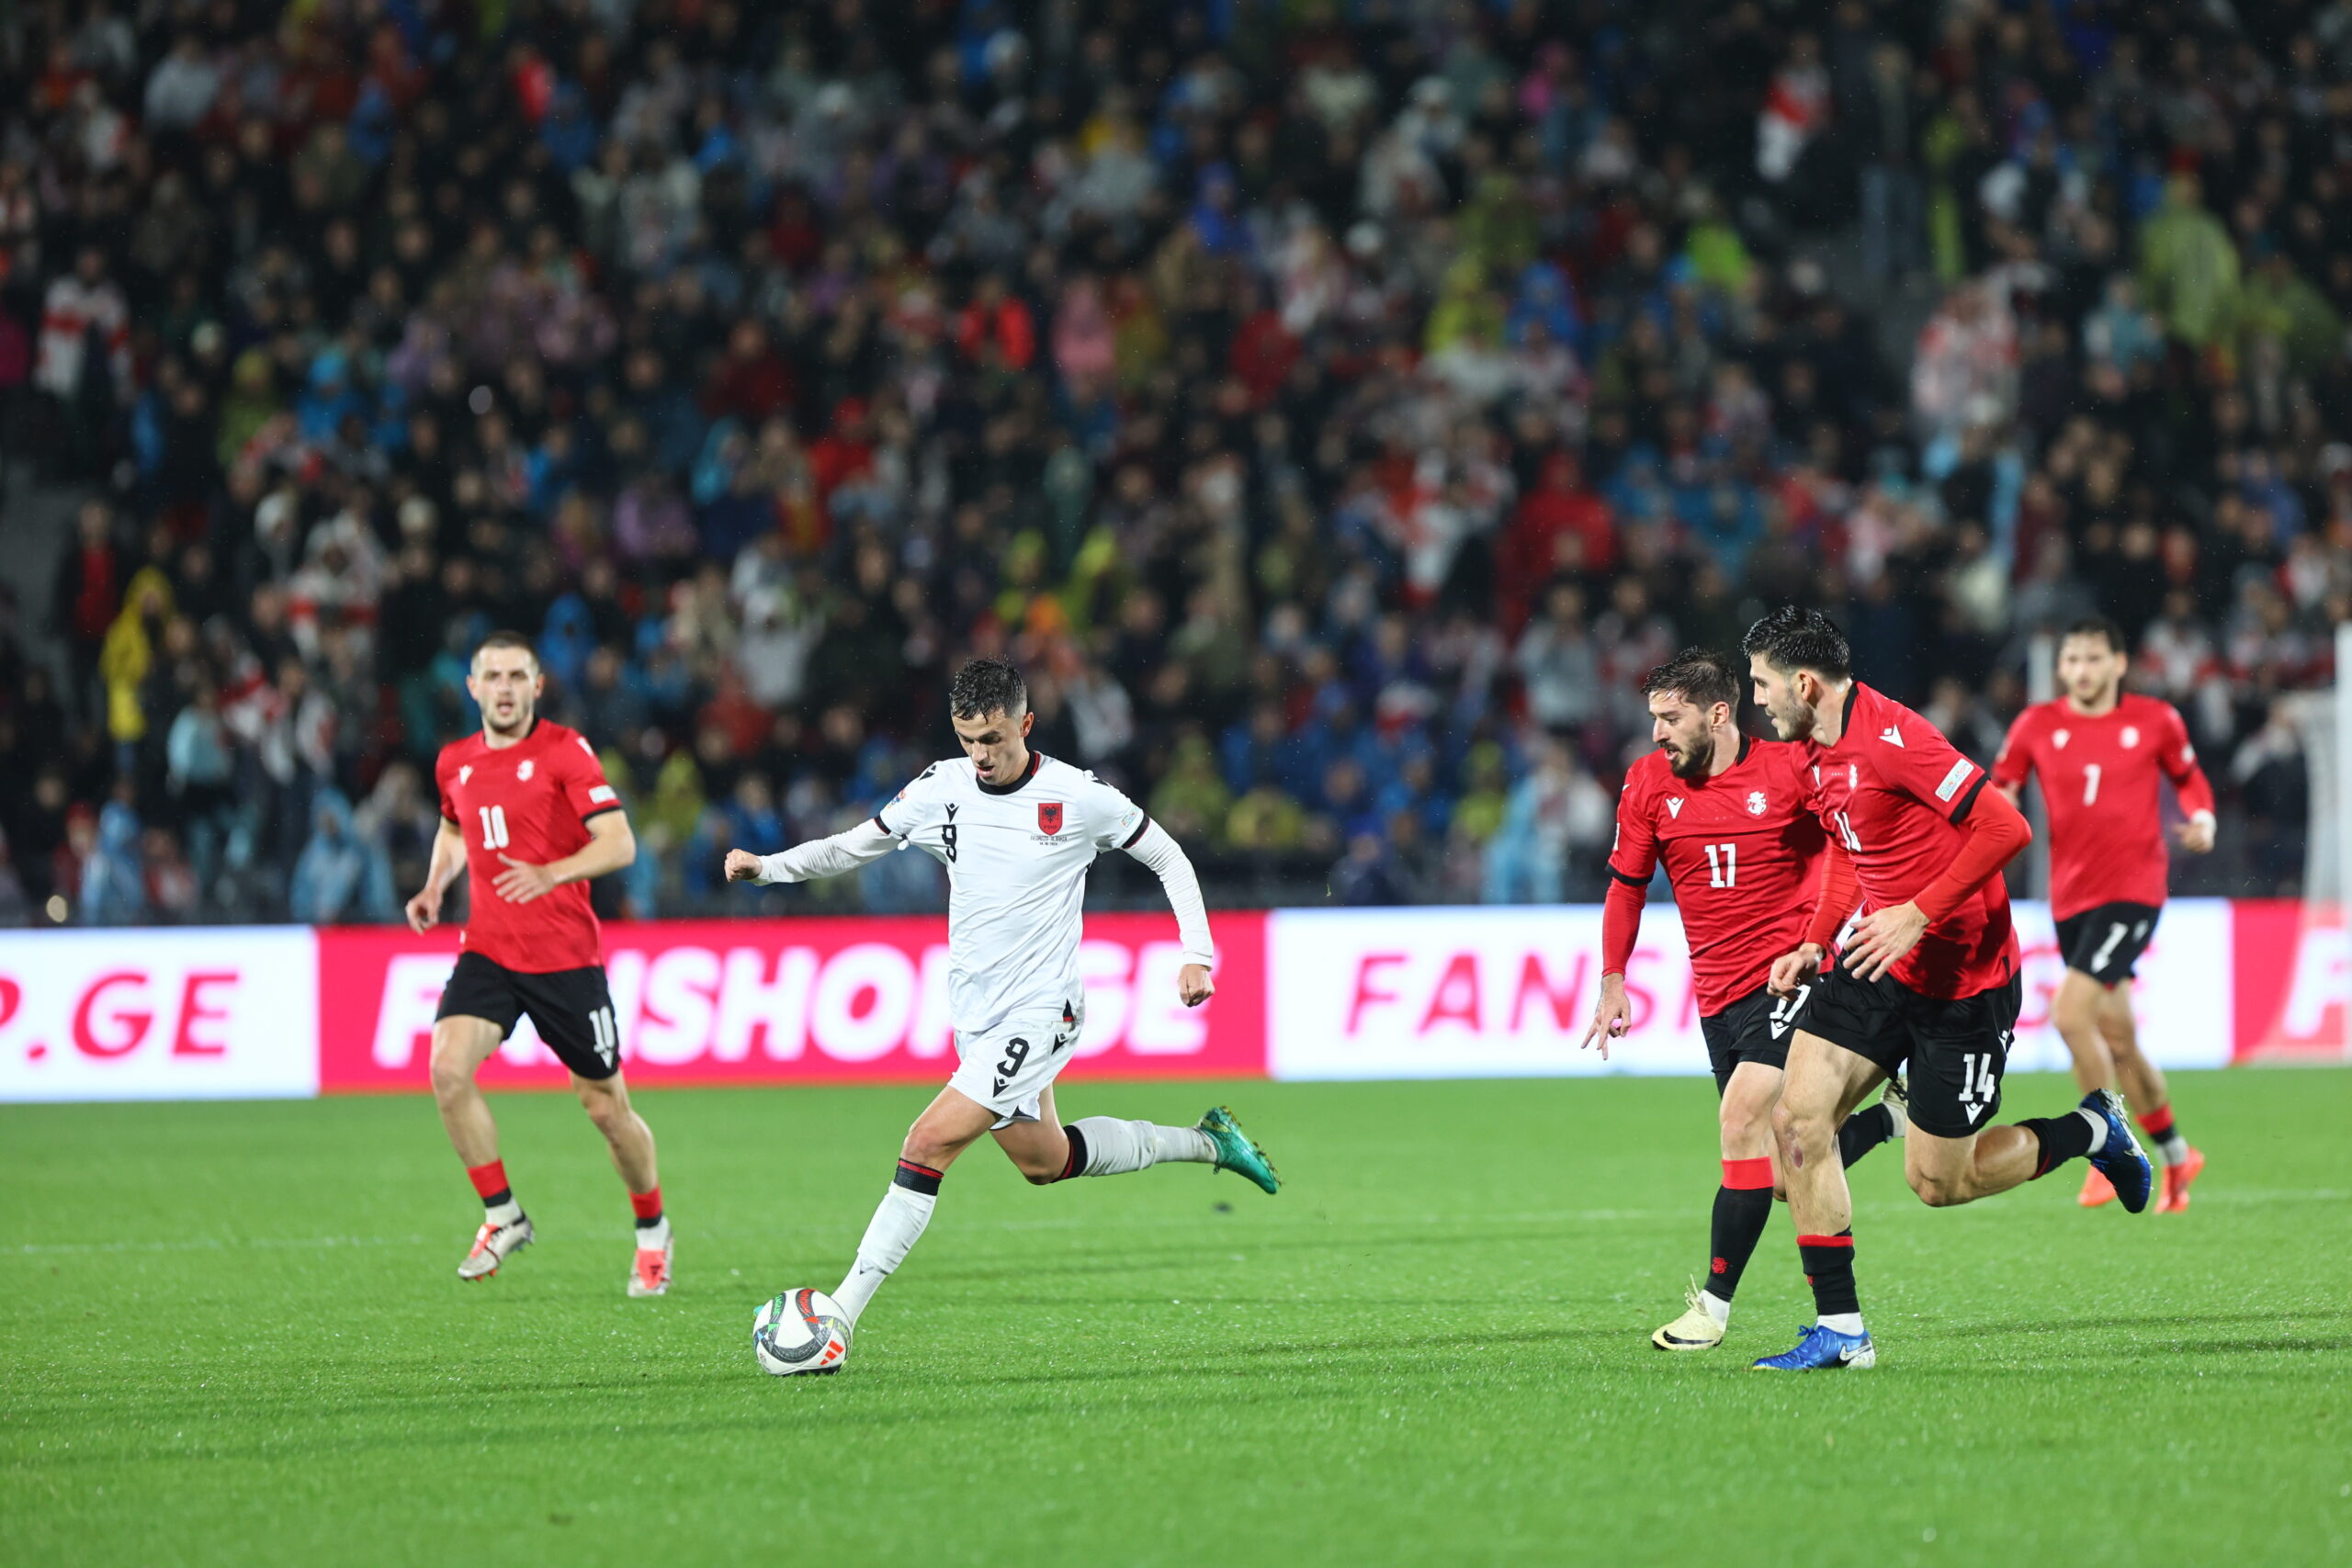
x=1954, y=779
x=602, y=794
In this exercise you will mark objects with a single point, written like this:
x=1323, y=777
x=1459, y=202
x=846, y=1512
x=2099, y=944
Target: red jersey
x=1743, y=850
x=1891, y=791
x=529, y=802
x=2098, y=779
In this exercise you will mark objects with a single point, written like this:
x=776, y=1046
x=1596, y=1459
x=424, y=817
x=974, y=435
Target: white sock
x=655, y=1236
x=2173, y=1147
x=896, y=1226
x=504, y=1214
x=2098, y=1129
x=1717, y=1308
x=1843, y=1322
x=1116, y=1148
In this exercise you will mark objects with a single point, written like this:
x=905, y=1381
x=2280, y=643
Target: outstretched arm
x=818, y=857
x=1168, y=862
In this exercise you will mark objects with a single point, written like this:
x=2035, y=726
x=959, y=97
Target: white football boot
x=1694, y=1330
x=493, y=1245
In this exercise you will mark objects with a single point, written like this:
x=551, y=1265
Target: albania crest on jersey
x=1049, y=817
x=1756, y=803
x=524, y=770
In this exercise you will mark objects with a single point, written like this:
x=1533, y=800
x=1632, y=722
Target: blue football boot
x=1823, y=1350
x=2121, y=1159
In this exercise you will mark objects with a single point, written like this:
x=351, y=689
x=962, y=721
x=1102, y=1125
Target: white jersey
x=1016, y=857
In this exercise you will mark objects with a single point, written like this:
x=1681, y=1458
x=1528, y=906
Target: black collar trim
x=1029, y=773
x=1846, y=716
x=1745, y=741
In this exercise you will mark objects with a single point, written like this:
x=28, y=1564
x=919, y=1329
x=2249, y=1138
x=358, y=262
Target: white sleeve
x=1167, y=859
x=1112, y=822
x=827, y=857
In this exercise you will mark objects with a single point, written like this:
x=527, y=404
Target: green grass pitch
x=232, y=1334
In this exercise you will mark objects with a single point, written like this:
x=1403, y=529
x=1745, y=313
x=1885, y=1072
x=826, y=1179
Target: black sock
x=916, y=1178
x=1865, y=1131
x=1829, y=1269
x=1741, y=1213
x=1076, y=1164
x=2063, y=1138
x=503, y=1195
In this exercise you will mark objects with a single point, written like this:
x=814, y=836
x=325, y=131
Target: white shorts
x=1009, y=1068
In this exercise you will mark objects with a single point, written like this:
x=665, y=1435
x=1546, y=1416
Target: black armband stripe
x=884, y=826
x=1629, y=881
x=1967, y=803
x=599, y=811
x=1137, y=837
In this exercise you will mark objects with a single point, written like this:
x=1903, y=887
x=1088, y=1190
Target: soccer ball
x=800, y=1331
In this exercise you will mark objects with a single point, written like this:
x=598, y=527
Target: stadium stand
x=1335, y=407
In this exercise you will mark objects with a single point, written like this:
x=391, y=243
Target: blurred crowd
x=1334, y=404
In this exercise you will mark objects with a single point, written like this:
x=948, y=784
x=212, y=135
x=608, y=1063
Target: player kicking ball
x=1930, y=979
x=2100, y=751
x=526, y=809
x=1727, y=813
x=1016, y=832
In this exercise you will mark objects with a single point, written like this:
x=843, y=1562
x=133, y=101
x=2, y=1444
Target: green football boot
x=1235, y=1151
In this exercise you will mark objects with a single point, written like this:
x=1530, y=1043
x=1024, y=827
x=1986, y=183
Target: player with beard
x=1727, y=815
x=526, y=809
x=1930, y=978
x=2099, y=752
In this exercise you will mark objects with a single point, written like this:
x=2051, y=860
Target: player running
x=1727, y=815
x=526, y=808
x=2099, y=750
x=1930, y=978
x=1016, y=831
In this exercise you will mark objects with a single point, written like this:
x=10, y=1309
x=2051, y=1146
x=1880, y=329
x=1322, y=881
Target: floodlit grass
x=233, y=1334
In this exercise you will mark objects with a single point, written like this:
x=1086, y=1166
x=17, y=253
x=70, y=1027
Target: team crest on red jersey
x=523, y=771
x=1049, y=817
x=1756, y=803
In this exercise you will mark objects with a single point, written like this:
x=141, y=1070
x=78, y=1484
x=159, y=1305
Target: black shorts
x=1957, y=1050
x=1756, y=1028
x=572, y=1008
x=2105, y=942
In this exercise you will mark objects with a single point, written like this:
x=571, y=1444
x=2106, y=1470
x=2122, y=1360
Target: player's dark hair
x=505, y=639
x=1790, y=639
x=1701, y=675
x=988, y=685
x=2099, y=625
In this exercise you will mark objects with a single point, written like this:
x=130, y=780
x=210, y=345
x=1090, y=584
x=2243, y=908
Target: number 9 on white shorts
x=1010, y=1068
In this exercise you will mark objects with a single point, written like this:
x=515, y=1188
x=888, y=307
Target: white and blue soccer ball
x=800, y=1331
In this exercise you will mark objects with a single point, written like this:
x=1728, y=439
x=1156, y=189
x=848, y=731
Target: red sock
x=646, y=1205
x=489, y=1180
x=2156, y=1124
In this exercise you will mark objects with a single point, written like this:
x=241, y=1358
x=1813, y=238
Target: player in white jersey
x=1016, y=831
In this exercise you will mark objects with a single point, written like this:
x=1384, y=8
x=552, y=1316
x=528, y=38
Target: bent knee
x=1938, y=1192
x=451, y=1073
x=1745, y=1134
x=1039, y=1175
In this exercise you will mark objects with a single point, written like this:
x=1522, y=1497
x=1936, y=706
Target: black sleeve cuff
x=592, y=815
x=884, y=826
x=1967, y=803
x=1137, y=837
x=1629, y=881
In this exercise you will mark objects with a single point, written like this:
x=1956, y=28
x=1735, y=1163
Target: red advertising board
x=797, y=1001
x=2293, y=973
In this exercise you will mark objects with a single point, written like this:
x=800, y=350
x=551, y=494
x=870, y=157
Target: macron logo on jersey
x=1892, y=736
x=1674, y=807
x=464, y=774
